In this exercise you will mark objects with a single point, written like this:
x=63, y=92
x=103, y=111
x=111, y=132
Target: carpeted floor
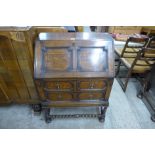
x=125, y=111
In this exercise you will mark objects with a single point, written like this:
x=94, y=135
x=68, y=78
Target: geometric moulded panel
x=92, y=59
x=58, y=59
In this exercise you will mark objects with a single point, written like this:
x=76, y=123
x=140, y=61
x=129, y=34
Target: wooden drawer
x=60, y=96
x=91, y=96
x=59, y=85
x=91, y=84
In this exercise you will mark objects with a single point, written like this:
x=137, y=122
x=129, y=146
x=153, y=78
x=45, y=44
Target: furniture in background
x=16, y=64
x=72, y=70
x=127, y=30
x=151, y=42
x=124, y=29
x=148, y=30
x=140, y=65
x=148, y=95
x=131, y=47
x=102, y=29
x=70, y=28
x=79, y=28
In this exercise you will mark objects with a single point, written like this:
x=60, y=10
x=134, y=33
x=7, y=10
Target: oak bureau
x=74, y=70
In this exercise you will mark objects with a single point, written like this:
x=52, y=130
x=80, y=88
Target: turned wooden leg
x=146, y=86
x=140, y=94
x=102, y=113
x=37, y=108
x=127, y=80
x=47, y=115
x=118, y=68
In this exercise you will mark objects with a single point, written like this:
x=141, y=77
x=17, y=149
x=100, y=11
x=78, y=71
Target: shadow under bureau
x=74, y=70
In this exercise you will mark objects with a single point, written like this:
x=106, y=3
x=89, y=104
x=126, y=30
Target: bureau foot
x=140, y=95
x=37, y=108
x=47, y=115
x=101, y=116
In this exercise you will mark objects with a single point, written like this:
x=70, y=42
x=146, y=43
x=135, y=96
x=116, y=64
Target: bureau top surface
x=75, y=36
x=74, y=55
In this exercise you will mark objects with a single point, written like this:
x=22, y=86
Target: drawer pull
x=92, y=85
x=58, y=85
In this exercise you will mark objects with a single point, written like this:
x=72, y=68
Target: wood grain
x=77, y=67
x=17, y=63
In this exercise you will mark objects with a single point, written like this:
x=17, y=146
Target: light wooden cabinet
x=16, y=66
x=125, y=29
x=17, y=63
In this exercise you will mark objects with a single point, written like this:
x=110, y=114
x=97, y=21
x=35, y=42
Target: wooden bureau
x=74, y=69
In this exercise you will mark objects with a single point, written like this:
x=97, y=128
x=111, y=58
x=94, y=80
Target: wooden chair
x=151, y=42
x=140, y=65
x=131, y=48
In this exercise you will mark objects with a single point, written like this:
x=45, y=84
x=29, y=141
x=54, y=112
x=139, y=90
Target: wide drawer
x=60, y=96
x=59, y=85
x=91, y=96
x=91, y=84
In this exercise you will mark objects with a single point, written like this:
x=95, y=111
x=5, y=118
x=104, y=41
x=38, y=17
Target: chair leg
x=146, y=85
x=124, y=85
x=127, y=80
x=118, y=68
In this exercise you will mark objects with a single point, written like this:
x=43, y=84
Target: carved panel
x=92, y=59
x=58, y=59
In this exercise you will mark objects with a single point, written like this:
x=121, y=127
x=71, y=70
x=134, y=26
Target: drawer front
x=91, y=84
x=91, y=96
x=59, y=85
x=60, y=96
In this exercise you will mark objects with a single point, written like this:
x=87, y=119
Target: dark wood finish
x=147, y=93
x=149, y=30
x=132, y=46
x=140, y=65
x=74, y=69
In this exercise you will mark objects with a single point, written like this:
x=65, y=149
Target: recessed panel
x=58, y=59
x=92, y=59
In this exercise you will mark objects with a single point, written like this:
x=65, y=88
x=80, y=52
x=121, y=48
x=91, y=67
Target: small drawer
x=60, y=96
x=91, y=96
x=92, y=84
x=59, y=85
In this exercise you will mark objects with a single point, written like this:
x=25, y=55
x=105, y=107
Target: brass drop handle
x=58, y=85
x=92, y=85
